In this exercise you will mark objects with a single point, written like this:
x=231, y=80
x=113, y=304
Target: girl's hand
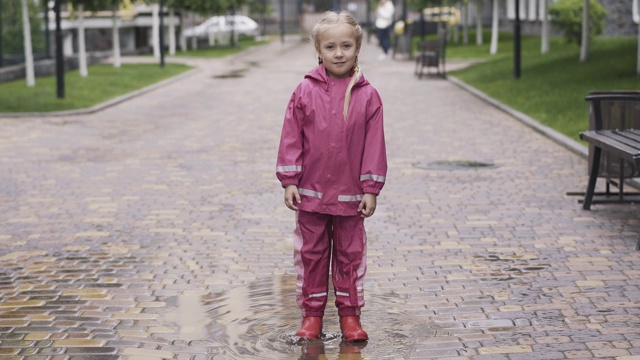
x=368, y=205
x=291, y=197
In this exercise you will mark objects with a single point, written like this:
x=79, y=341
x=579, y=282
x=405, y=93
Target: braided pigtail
x=347, y=96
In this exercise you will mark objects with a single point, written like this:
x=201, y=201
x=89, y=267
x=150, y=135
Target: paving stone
x=106, y=219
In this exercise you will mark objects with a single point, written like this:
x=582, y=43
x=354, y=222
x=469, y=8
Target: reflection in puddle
x=259, y=321
x=188, y=316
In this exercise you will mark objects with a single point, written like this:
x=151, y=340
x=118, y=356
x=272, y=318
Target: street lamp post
x=161, y=40
x=59, y=55
x=516, y=42
x=1, y=51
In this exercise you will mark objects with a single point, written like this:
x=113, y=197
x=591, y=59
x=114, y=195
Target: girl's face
x=337, y=49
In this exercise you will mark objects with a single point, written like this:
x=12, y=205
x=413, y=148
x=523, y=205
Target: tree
x=155, y=29
x=28, y=49
x=172, y=32
x=465, y=21
x=544, y=41
x=478, y=22
x=493, y=49
x=19, y=21
x=117, y=61
x=82, y=49
x=584, y=44
x=578, y=22
x=81, y=6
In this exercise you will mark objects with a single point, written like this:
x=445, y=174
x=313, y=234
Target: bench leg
x=593, y=176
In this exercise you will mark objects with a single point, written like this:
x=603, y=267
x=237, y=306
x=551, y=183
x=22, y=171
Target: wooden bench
x=617, y=137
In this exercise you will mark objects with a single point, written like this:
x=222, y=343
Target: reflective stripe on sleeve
x=350, y=197
x=311, y=193
x=376, y=178
x=288, y=168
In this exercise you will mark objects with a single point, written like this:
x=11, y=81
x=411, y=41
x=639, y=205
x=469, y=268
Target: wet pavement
x=155, y=228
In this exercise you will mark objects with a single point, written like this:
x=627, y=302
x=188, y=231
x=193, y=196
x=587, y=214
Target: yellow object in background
x=398, y=27
x=448, y=14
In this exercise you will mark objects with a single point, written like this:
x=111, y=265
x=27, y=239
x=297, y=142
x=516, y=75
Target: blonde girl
x=332, y=164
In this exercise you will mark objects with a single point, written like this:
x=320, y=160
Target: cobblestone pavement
x=156, y=229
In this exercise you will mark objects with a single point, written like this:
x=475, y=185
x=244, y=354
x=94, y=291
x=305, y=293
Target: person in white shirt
x=384, y=21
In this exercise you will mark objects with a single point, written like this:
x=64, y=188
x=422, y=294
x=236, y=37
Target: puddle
x=510, y=267
x=231, y=74
x=454, y=165
x=259, y=321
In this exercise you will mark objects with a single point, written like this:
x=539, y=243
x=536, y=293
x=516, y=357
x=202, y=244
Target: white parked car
x=217, y=25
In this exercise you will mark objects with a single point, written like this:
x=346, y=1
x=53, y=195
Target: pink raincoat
x=333, y=161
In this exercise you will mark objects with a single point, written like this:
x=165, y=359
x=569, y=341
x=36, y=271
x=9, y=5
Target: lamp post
x=1, y=51
x=516, y=42
x=59, y=55
x=161, y=40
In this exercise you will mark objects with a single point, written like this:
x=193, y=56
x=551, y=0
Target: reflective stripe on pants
x=313, y=239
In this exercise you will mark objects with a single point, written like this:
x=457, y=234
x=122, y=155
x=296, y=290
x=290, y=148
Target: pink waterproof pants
x=321, y=240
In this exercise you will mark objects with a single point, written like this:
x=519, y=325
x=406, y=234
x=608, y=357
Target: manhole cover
x=453, y=165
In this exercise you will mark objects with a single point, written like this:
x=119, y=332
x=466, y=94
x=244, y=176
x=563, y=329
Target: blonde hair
x=332, y=18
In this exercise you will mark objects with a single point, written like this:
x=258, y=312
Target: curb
x=130, y=95
x=557, y=137
x=107, y=103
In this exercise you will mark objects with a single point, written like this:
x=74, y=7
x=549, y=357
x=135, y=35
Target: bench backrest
x=613, y=110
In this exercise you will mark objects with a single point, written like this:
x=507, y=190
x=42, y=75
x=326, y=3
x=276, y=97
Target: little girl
x=332, y=164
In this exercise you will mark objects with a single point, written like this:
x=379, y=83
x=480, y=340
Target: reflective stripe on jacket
x=333, y=161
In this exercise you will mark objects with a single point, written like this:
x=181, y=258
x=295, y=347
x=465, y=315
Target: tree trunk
x=584, y=45
x=155, y=30
x=478, y=22
x=494, y=29
x=194, y=38
x=465, y=22
x=82, y=51
x=28, y=49
x=117, y=61
x=183, y=39
x=544, y=45
x=172, y=32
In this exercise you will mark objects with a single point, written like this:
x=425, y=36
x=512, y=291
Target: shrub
x=566, y=15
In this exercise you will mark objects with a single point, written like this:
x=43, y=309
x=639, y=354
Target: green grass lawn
x=103, y=83
x=221, y=51
x=552, y=87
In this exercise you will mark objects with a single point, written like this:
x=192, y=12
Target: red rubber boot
x=352, y=330
x=311, y=328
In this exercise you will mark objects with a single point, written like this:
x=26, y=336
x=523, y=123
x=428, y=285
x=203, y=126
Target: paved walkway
x=156, y=229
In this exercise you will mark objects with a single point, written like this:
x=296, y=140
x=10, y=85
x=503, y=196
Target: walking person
x=332, y=165
x=384, y=22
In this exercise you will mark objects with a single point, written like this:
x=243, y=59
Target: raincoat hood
x=319, y=74
x=333, y=160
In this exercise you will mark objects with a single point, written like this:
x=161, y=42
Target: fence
x=12, y=35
